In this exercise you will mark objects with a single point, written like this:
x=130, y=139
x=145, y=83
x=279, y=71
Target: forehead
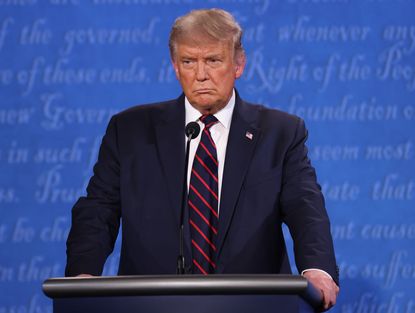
x=203, y=48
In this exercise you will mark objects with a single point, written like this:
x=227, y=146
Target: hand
x=325, y=284
x=84, y=275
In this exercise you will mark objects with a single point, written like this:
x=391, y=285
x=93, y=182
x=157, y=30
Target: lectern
x=183, y=294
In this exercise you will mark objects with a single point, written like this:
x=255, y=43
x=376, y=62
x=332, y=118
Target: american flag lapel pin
x=249, y=135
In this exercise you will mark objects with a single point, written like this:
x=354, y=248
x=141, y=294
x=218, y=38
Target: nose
x=201, y=72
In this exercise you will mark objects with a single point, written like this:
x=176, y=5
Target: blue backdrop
x=346, y=66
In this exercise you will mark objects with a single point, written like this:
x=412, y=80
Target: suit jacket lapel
x=169, y=127
x=242, y=140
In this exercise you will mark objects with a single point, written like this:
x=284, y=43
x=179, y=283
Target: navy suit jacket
x=138, y=179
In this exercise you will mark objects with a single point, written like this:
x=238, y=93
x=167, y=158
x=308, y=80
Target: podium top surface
x=180, y=285
x=174, y=285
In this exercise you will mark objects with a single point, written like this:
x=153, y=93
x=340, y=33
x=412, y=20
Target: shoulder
x=145, y=116
x=271, y=118
x=146, y=111
x=140, y=120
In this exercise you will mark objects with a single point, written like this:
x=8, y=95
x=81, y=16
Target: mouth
x=203, y=91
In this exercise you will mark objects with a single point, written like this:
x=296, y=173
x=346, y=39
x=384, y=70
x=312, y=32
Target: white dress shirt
x=219, y=132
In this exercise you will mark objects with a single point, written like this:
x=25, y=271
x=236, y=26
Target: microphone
x=192, y=130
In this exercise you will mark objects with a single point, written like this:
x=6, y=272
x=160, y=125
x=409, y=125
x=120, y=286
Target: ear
x=176, y=68
x=240, y=62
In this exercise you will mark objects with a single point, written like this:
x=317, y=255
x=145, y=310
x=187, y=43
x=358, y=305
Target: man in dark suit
x=257, y=176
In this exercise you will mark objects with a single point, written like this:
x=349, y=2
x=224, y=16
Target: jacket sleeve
x=303, y=209
x=96, y=217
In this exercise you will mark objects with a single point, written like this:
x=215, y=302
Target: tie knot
x=209, y=120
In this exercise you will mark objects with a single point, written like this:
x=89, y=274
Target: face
x=207, y=73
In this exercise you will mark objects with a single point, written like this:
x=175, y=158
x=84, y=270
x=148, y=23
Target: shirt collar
x=224, y=116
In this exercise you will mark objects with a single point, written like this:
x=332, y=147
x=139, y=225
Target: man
x=248, y=172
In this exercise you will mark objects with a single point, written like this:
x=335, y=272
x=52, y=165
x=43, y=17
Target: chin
x=204, y=103
x=204, y=109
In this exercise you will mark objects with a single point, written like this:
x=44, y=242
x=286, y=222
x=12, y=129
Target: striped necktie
x=203, y=201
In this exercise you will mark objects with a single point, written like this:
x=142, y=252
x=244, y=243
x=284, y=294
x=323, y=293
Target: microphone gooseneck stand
x=192, y=130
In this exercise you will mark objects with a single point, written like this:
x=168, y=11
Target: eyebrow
x=216, y=56
x=209, y=56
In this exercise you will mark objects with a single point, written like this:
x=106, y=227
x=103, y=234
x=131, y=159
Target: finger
x=325, y=302
x=334, y=292
x=329, y=298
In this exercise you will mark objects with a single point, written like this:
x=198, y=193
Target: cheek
x=226, y=81
x=186, y=76
x=186, y=83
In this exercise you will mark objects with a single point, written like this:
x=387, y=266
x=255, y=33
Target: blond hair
x=213, y=24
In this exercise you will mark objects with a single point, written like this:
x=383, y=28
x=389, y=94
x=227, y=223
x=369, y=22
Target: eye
x=214, y=61
x=187, y=62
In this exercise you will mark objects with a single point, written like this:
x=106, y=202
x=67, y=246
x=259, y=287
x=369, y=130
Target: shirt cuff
x=316, y=269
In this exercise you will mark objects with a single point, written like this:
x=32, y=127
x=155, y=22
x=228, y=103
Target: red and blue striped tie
x=203, y=201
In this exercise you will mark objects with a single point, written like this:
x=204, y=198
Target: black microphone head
x=192, y=130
